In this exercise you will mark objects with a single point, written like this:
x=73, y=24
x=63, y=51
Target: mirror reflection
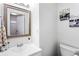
x=17, y=24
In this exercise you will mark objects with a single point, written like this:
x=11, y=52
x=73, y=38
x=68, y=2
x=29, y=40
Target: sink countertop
x=25, y=50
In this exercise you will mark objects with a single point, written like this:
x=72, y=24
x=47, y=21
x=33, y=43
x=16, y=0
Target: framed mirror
x=17, y=21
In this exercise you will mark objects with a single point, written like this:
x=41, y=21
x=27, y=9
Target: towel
x=3, y=38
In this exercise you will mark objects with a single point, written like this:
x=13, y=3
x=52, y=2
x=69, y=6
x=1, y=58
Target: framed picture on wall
x=74, y=21
x=64, y=14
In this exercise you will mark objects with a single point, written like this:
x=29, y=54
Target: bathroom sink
x=25, y=50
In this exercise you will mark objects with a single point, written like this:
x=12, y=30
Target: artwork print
x=74, y=21
x=64, y=14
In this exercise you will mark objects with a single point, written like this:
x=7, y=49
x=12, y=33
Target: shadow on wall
x=57, y=51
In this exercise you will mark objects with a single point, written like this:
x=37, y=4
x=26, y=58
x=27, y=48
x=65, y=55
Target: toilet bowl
x=67, y=50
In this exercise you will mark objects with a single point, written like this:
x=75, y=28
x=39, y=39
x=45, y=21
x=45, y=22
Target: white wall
x=47, y=21
x=65, y=33
x=35, y=23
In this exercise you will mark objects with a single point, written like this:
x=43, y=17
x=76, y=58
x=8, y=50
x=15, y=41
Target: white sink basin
x=25, y=50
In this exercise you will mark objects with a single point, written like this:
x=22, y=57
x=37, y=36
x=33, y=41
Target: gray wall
x=47, y=21
x=66, y=34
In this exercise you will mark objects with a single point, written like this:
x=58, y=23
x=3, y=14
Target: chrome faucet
x=20, y=45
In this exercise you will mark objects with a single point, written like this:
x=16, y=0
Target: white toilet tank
x=67, y=50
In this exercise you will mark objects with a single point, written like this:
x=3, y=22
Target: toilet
x=67, y=50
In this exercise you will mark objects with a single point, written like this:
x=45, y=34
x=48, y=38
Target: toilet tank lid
x=68, y=47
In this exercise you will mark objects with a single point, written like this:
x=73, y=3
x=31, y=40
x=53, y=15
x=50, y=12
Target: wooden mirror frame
x=19, y=9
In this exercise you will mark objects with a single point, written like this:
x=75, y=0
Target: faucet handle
x=28, y=38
